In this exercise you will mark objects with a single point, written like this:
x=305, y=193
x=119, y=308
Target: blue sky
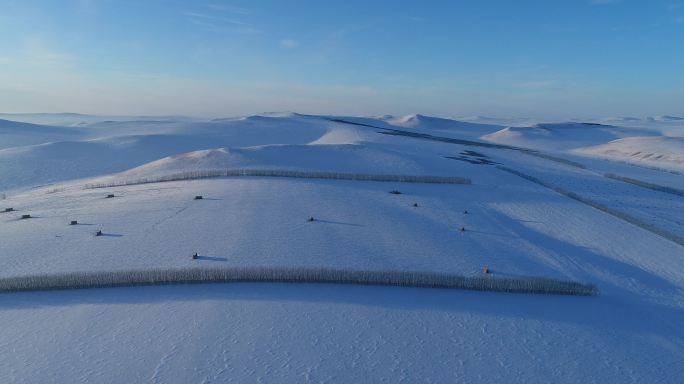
x=544, y=58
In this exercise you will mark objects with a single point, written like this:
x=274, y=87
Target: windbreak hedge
x=204, y=174
x=292, y=275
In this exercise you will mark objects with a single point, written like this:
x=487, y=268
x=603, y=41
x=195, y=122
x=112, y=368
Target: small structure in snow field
x=73, y=222
x=415, y=204
x=194, y=256
x=395, y=192
x=311, y=218
x=485, y=269
x=9, y=209
x=26, y=216
x=462, y=229
x=98, y=233
x=465, y=212
x=199, y=197
x=110, y=195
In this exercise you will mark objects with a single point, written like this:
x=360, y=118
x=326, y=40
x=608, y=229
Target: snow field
x=243, y=332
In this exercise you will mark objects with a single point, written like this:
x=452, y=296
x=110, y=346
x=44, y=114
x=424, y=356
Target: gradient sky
x=543, y=58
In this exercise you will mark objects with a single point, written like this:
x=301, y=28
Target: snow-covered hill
x=108, y=147
x=14, y=134
x=436, y=125
x=526, y=213
x=657, y=151
x=562, y=136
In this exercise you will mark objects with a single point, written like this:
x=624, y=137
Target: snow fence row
x=601, y=207
x=121, y=278
x=203, y=174
x=655, y=187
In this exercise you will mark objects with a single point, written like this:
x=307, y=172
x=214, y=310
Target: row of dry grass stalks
x=72, y=280
x=203, y=174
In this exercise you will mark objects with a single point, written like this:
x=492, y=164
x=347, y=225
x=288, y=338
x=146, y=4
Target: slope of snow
x=64, y=160
x=114, y=148
x=344, y=158
x=340, y=135
x=444, y=126
x=662, y=125
x=78, y=119
x=658, y=151
x=668, y=119
x=13, y=134
x=306, y=333
x=562, y=136
x=501, y=121
x=515, y=227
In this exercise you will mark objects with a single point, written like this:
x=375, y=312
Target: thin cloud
x=203, y=16
x=229, y=8
x=342, y=33
x=217, y=23
x=288, y=44
x=37, y=51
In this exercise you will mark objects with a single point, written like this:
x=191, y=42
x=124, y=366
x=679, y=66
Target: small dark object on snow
x=26, y=216
x=9, y=209
x=395, y=192
x=462, y=229
x=198, y=197
x=194, y=256
x=110, y=195
x=73, y=222
x=98, y=233
x=415, y=204
x=311, y=218
x=465, y=212
x=485, y=269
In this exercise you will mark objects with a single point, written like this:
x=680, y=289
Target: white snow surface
x=436, y=125
x=562, y=136
x=657, y=151
x=253, y=332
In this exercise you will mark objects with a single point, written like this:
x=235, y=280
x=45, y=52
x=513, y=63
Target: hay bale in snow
x=9, y=209
x=73, y=222
x=199, y=197
x=110, y=195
